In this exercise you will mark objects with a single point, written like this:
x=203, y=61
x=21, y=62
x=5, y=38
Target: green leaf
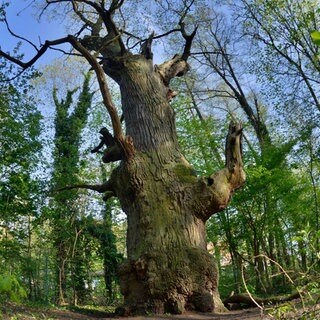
x=315, y=35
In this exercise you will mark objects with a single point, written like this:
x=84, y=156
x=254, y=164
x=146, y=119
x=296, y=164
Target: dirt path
x=11, y=311
x=18, y=312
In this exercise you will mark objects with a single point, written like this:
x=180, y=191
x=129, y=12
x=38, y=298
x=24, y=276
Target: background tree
x=19, y=186
x=281, y=36
x=231, y=59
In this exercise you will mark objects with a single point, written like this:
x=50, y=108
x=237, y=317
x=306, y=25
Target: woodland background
x=251, y=61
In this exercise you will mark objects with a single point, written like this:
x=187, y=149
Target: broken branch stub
x=234, y=146
x=234, y=162
x=224, y=182
x=146, y=47
x=176, y=67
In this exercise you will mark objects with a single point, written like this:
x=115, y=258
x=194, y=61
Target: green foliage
x=11, y=289
x=2, y=9
x=68, y=127
x=200, y=139
x=315, y=35
x=67, y=228
x=84, y=245
x=20, y=186
x=286, y=60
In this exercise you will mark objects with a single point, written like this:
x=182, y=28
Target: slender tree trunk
x=61, y=274
x=31, y=293
x=284, y=250
x=315, y=192
x=236, y=260
x=259, y=266
x=303, y=255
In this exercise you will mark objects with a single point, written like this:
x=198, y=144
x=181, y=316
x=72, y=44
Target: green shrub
x=10, y=289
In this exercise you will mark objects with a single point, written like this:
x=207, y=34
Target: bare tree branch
x=115, y=5
x=188, y=38
x=40, y=52
x=106, y=15
x=93, y=4
x=154, y=37
x=146, y=47
x=95, y=187
x=116, y=125
x=14, y=77
x=68, y=53
x=17, y=36
x=94, y=64
x=188, y=44
x=186, y=10
x=80, y=15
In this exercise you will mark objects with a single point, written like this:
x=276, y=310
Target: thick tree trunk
x=168, y=267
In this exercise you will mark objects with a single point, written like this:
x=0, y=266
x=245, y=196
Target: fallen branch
x=253, y=300
x=248, y=301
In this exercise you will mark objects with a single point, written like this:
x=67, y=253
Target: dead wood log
x=242, y=301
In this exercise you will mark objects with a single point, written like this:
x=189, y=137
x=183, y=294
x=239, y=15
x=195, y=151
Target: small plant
x=283, y=311
x=10, y=289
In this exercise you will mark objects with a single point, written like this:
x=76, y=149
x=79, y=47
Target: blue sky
x=23, y=22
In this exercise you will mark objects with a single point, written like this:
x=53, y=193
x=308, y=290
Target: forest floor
x=21, y=312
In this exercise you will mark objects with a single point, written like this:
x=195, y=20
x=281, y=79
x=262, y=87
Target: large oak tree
x=168, y=268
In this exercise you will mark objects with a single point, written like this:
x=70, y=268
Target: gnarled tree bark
x=168, y=268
